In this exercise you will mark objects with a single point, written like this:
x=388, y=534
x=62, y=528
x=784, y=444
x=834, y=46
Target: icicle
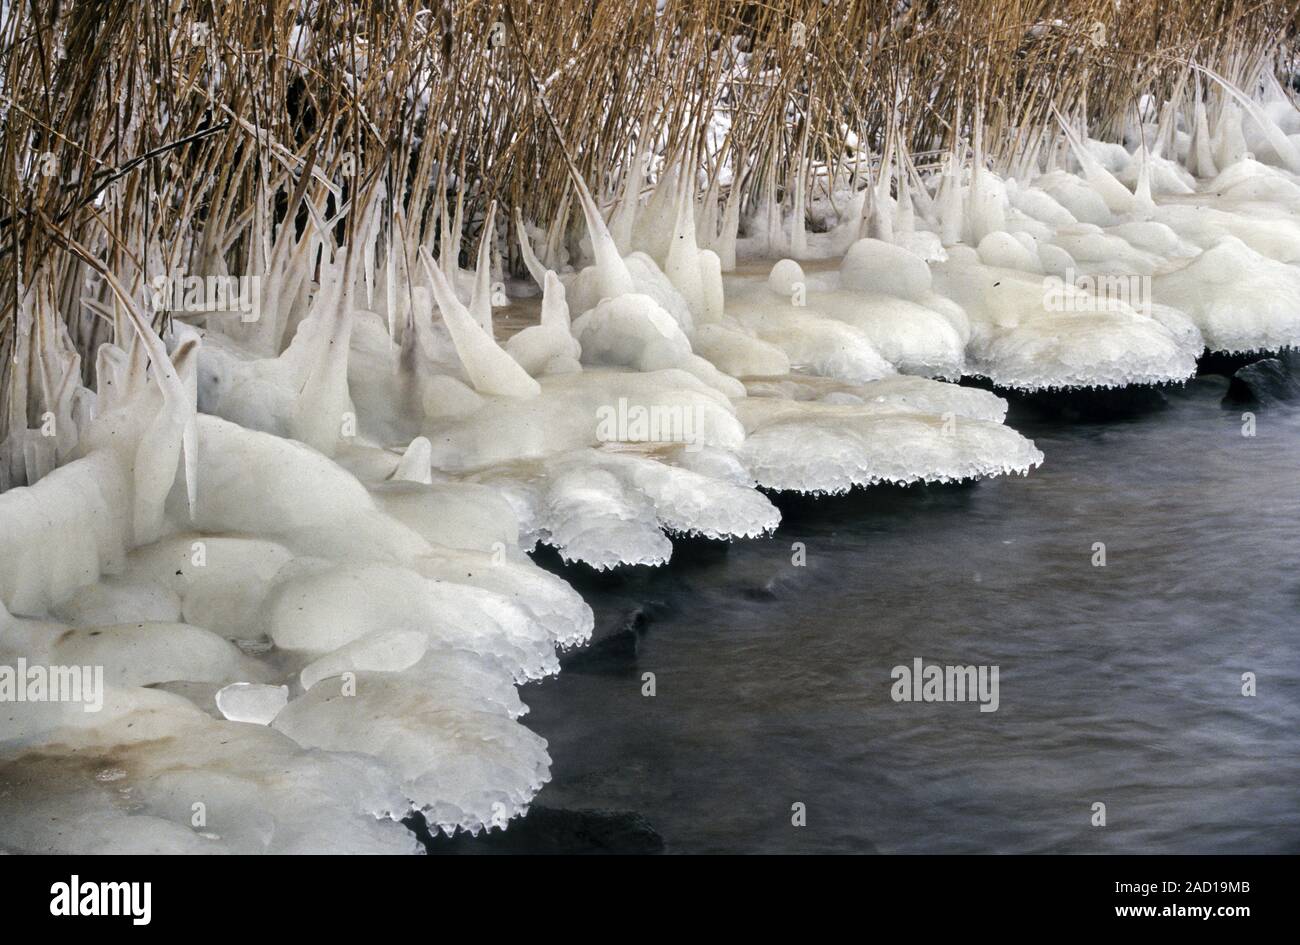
x=396, y=247
x=450, y=254
x=555, y=233
x=489, y=368
x=531, y=262
x=949, y=206
x=984, y=211
x=730, y=230
x=773, y=208
x=707, y=228
x=555, y=305
x=1164, y=143
x=1229, y=142
x=612, y=273
x=1201, y=157
x=798, y=226
x=624, y=215
x=711, y=278
x=480, y=305
x=1143, y=203
x=318, y=411
x=682, y=267
x=1117, y=197
x=905, y=216
x=1284, y=146
x=652, y=232
x=371, y=228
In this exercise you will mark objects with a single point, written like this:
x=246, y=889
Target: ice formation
x=296, y=548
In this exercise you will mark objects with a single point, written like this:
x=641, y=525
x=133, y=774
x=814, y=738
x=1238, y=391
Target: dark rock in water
x=615, y=653
x=1222, y=362
x=549, y=831
x=613, y=649
x=1270, y=381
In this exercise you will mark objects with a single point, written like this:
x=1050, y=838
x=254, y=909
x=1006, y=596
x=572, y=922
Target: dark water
x=1119, y=684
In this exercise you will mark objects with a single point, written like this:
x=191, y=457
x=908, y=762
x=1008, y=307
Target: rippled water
x=1119, y=684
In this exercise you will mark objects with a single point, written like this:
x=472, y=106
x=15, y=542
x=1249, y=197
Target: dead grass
x=142, y=137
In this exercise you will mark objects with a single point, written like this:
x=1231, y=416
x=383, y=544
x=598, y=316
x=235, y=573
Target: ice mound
x=816, y=447
x=607, y=507
x=775, y=311
x=634, y=331
x=902, y=392
x=152, y=773
x=569, y=413
x=1112, y=350
x=1205, y=225
x=813, y=344
x=819, y=437
x=912, y=337
x=466, y=767
x=885, y=291
x=739, y=353
x=1032, y=331
x=323, y=610
x=233, y=584
x=1239, y=299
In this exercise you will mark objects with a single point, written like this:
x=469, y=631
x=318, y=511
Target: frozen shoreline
x=296, y=544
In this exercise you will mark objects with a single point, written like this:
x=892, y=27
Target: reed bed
x=145, y=137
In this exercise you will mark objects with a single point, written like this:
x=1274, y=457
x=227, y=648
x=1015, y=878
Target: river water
x=1119, y=684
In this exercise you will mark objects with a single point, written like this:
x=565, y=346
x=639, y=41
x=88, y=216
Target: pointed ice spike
x=1284, y=146
x=555, y=305
x=1143, y=203
x=450, y=255
x=415, y=465
x=1201, y=157
x=186, y=360
x=613, y=275
x=948, y=203
x=682, y=267
x=322, y=360
x=531, y=262
x=1116, y=196
x=624, y=215
x=730, y=230
x=489, y=368
x=480, y=303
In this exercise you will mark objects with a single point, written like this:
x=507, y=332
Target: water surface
x=1119, y=684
